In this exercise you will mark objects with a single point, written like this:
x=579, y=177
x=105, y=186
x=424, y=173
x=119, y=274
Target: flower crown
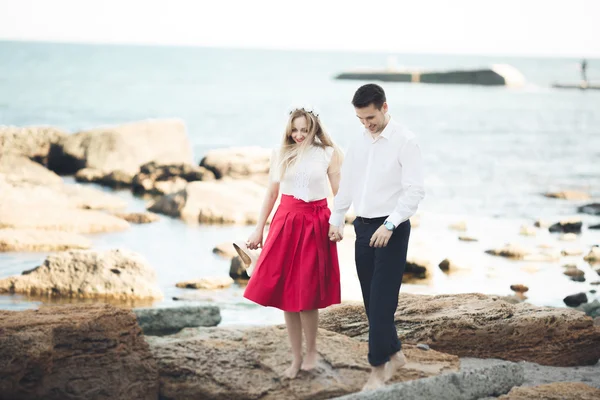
x=306, y=110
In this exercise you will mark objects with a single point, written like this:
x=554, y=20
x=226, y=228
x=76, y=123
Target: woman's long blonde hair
x=291, y=152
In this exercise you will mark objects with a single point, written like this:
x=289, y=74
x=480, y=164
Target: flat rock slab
x=554, y=391
x=167, y=321
x=465, y=385
x=247, y=363
x=35, y=240
x=481, y=326
x=75, y=352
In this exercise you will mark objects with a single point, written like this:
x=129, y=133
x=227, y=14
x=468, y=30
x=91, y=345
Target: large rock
x=592, y=208
x=237, y=269
x=154, y=178
x=125, y=147
x=34, y=142
x=77, y=352
x=554, y=391
x=114, y=274
x=35, y=240
x=476, y=325
x=231, y=363
x=237, y=162
x=510, y=251
x=16, y=168
x=28, y=216
x=567, y=226
x=216, y=202
x=167, y=321
x=57, y=195
x=593, y=256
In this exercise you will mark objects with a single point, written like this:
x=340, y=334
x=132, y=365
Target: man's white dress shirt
x=381, y=177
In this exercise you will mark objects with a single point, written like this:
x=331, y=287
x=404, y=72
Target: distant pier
x=497, y=75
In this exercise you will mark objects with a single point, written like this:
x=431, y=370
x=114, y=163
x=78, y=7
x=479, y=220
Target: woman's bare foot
x=310, y=361
x=397, y=361
x=292, y=371
x=376, y=379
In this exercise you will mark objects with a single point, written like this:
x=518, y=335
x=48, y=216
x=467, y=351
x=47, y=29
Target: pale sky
x=506, y=27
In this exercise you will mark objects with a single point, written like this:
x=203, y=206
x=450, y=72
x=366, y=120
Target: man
x=583, y=67
x=382, y=175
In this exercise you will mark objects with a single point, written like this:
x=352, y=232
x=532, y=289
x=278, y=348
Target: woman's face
x=299, y=129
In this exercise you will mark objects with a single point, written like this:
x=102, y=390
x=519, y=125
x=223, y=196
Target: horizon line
x=283, y=49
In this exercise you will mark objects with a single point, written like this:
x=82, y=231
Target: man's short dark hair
x=369, y=94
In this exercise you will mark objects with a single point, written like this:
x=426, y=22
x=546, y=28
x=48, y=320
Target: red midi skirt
x=298, y=268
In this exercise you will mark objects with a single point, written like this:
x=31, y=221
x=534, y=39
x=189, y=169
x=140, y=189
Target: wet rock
x=237, y=269
x=168, y=321
x=115, y=274
x=575, y=300
x=519, y=288
x=592, y=208
x=212, y=283
x=154, y=178
x=567, y=226
x=574, y=272
x=415, y=269
x=480, y=326
x=76, y=352
x=509, y=251
x=591, y=309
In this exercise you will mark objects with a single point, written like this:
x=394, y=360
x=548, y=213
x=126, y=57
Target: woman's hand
x=255, y=239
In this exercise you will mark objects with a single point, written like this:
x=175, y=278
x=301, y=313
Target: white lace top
x=307, y=180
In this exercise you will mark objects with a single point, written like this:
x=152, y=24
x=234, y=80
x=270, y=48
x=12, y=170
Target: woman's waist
x=289, y=201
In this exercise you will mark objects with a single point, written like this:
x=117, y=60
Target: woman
x=297, y=270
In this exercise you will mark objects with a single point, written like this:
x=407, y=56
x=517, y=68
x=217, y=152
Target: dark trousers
x=380, y=273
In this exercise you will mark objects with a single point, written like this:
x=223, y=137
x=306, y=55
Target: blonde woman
x=297, y=270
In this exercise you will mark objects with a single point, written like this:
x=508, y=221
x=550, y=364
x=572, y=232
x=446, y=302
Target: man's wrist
x=389, y=226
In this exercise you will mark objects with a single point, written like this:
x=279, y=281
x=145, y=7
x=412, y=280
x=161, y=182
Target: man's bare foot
x=310, y=361
x=292, y=371
x=396, y=361
x=376, y=379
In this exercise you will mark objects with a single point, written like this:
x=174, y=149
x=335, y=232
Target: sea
x=490, y=154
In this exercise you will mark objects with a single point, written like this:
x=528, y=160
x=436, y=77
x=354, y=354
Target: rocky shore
x=109, y=342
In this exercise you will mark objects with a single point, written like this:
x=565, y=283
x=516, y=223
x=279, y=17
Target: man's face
x=372, y=118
